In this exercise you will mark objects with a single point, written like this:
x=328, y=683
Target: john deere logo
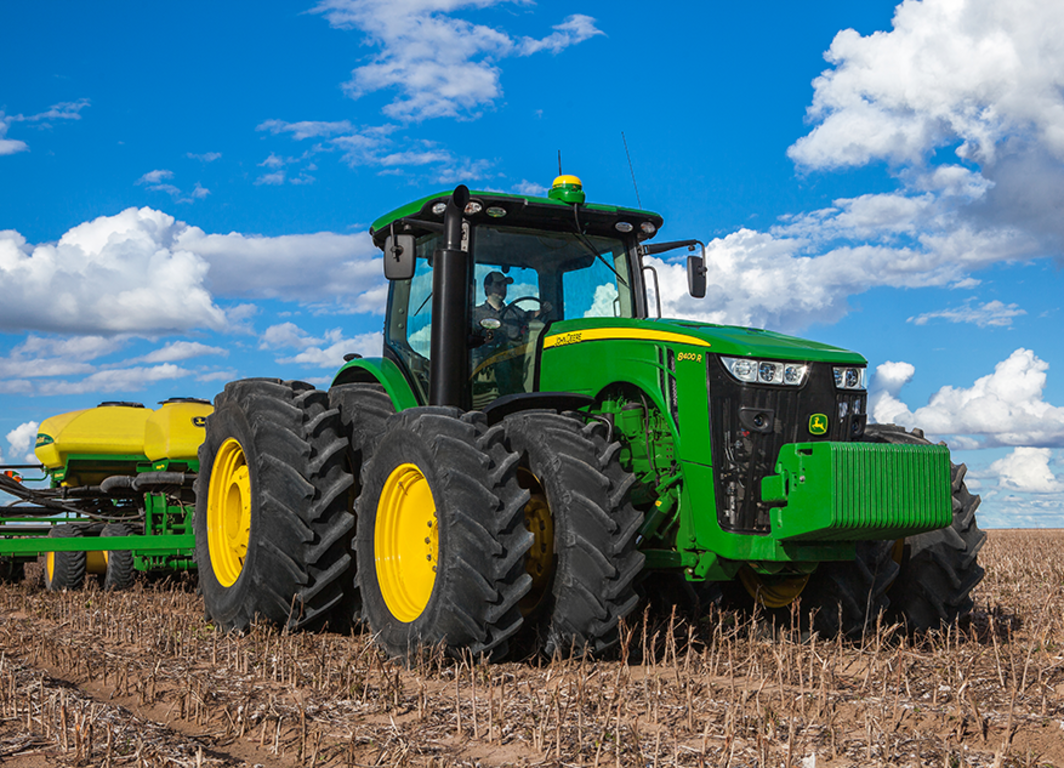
x=818, y=424
x=43, y=439
x=199, y=421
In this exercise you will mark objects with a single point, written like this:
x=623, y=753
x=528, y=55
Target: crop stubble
x=140, y=679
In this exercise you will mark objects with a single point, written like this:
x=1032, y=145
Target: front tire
x=440, y=539
x=271, y=521
x=848, y=598
x=939, y=569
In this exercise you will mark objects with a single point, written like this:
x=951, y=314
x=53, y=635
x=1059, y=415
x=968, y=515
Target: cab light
x=439, y=208
x=473, y=207
x=648, y=227
x=496, y=211
x=623, y=226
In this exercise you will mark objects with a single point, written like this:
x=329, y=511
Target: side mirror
x=399, y=257
x=696, y=276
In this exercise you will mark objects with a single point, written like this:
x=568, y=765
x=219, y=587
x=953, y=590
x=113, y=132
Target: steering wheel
x=502, y=315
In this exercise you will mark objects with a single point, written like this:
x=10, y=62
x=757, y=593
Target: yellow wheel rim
x=406, y=542
x=229, y=512
x=539, y=562
x=96, y=562
x=772, y=591
x=49, y=566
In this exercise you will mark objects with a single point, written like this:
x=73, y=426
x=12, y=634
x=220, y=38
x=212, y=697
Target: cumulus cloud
x=992, y=313
x=143, y=271
x=1005, y=408
x=22, y=439
x=442, y=65
x=113, y=274
x=206, y=157
x=326, y=351
x=1027, y=470
x=968, y=76
x=975, y=77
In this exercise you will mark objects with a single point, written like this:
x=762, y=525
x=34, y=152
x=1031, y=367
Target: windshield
x=522, y=281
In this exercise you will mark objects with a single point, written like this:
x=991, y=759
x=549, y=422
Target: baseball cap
x=495, y=278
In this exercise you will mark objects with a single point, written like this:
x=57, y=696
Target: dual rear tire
x=272, y=522
x=476, y=538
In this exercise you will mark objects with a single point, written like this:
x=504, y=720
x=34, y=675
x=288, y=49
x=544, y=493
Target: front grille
x=750, y=422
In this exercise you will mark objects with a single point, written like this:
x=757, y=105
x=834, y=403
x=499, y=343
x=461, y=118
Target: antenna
x=630, y=168
x=559, y=162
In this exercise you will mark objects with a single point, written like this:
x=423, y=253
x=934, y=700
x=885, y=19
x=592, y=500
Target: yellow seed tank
x=99, y=439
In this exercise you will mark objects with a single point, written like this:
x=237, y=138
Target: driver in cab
x=495, y=307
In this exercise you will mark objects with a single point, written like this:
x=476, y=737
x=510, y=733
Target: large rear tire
x=119, y=573
x=584, y=560
x=272, y=524
x=364, y=412
x=64, y=570
x=440, y=538
x=939, y=569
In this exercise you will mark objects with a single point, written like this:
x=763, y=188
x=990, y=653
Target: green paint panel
x=853, y=491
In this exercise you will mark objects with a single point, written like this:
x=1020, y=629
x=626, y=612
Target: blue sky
x=185, y=192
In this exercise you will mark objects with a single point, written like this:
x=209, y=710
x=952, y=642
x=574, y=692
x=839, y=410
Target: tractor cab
x=511, y=266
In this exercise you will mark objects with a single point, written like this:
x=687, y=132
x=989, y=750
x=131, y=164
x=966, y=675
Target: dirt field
x=140, y=679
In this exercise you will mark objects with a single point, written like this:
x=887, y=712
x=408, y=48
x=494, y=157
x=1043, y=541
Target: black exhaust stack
x=449, y=353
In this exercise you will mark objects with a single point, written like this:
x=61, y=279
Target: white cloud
x=310, y=268
x=70, y=110
x=22, y=439
x=886, y=384
x=306, y=129
x=143, y=271
x=979, y=76
x=325, y=352
x=156, y=182
x=442, y=65
x=9, y=146
x=993, y=313
x=1027, y=470
x=525, y=187
x=206, y=157
x=182, y=350
x=114, y=380
x=1005, y=408
x=155, y=177
x=271, y=179
x=117, y=273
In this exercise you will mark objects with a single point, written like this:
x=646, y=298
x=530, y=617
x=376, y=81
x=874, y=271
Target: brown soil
x=140, y=679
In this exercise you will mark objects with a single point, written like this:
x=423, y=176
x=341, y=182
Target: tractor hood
x=717, y=339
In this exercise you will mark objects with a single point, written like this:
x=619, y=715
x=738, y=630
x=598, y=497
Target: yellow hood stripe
x=619, y=334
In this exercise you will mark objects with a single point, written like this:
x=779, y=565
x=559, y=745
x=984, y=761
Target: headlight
x=766, y=371
x=849, y=377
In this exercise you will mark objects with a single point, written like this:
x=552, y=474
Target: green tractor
x=536, y=444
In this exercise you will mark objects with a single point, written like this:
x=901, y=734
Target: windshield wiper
x=584, y=241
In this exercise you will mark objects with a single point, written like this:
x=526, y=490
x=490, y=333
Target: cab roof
x=516, y=211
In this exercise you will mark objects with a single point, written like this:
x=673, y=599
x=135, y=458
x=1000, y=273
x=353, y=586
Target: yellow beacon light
x=567, y=189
